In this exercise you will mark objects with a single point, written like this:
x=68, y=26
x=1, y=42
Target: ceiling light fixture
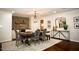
x=54, y=11
x=13, y=11
x=35, y=16
x=0, y=26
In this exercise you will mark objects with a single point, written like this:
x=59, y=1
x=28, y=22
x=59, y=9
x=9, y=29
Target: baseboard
x=74, y=41
x=65, y=40
x=60, y=39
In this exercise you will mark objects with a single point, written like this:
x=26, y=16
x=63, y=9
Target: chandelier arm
x=35, y=16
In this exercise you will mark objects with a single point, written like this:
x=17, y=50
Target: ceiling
x=39, y=11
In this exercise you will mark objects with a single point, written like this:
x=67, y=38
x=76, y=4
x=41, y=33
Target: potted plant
x=65, y=25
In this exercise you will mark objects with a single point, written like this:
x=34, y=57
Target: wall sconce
x=0, y=26
x=42, y=25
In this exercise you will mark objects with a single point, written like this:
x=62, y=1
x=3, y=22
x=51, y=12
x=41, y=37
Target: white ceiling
x=39, y=11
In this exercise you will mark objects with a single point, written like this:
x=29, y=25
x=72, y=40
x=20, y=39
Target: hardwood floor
x=64, y=46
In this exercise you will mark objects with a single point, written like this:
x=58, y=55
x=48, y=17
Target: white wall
x=6, y=22
x=74, y=33
x=50, y=18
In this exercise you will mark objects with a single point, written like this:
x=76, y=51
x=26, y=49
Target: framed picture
x=41, y=21
x=76, y=19
x=49, y=24
x=76, y=25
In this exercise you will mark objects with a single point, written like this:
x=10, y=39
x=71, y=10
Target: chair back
x=23, y=30
x=37, y=33
x=17, y=34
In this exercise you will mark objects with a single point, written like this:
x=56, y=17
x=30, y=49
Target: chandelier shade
x=35, y=14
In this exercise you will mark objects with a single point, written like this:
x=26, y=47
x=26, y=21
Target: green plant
x=65, y=27
x=64, y=22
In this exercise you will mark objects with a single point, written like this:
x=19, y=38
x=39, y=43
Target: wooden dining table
x=26, y=35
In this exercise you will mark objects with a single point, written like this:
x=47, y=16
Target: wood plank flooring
x=64, y=46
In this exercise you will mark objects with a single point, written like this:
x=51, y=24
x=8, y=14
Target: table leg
x=27, y=41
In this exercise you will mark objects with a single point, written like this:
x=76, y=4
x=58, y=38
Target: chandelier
x=35, y=17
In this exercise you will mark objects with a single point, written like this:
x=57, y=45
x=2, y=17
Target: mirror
x=60, y=21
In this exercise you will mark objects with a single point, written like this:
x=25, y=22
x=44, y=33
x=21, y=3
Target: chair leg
x=17, y=43
x=27, y=41
x=49, y=37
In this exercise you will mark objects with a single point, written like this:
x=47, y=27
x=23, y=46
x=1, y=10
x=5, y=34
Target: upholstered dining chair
x=36, y=36
x=44, y=35
x=18, y=38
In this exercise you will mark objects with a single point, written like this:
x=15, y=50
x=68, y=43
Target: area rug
x=11, y=46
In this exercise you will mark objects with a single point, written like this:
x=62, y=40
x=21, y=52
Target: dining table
x=27, y=36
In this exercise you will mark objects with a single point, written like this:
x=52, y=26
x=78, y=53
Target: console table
x=63, y=33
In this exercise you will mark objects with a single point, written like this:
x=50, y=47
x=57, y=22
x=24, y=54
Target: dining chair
x=18, y=37
x=36, y=36
x=44, y=36
x=22, y=30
